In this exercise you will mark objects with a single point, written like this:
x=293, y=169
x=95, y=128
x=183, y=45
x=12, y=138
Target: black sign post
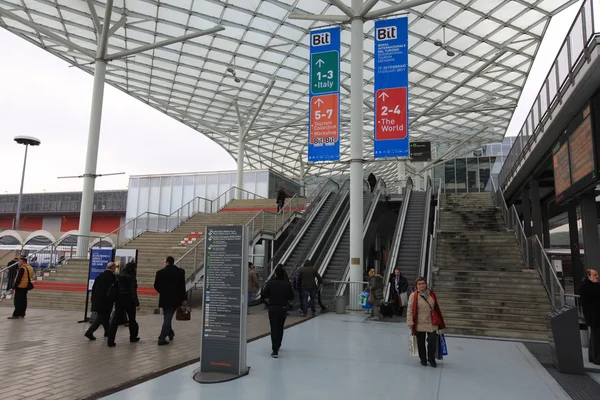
x=420, y=151
x=224, y=309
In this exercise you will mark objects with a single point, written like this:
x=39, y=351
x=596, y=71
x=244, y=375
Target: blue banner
x=99, y=259
x=391, y=88
x=324, y=95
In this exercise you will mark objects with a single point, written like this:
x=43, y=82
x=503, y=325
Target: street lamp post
x=27, y=141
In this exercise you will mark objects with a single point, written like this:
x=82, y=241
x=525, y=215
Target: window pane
x=449, y=177
x=461, y=175
x=472, y=174
x=484, y=172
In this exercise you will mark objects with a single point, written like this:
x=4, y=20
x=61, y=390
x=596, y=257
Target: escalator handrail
x=433, y=239
x=380, y=189
x=339, y=202
x=425, y=231
x=391, y=262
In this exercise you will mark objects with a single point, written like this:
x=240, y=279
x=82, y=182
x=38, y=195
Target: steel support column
x=240, y=165
x=536, y=208
x=356, y=146
x=19, y=201
x=401, y=175
x=545, y=226
x=589, y=220
x=574, y=245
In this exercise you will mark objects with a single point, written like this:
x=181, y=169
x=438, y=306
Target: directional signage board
x=420, y=151
x=224, y=315
x=391, y=88
x=324, y=95
x=99, y=259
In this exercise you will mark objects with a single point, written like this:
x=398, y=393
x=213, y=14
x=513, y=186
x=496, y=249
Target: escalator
x=294, y=258
x=410, y=237
x=409, y=254
x=334, y=265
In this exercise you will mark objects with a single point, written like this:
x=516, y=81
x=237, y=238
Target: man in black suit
x=170, y=284
x=589, y=295
x=101, y=303
x=278, y=293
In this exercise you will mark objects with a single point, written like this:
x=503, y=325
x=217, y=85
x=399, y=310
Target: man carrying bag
x=170, y=284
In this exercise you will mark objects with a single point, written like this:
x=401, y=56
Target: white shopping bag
x=413, y=350
x=403, y=299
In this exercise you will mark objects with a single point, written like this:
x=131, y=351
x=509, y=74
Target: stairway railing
x=433, y=238
x=533, y=246
x=265, y=218
x=425, y=236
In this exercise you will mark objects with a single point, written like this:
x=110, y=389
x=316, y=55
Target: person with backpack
x=21, y=286
x=253, y=283
x=375, y=292
x=308, y=274
x=280, y=200
x=124, y=293
x=278, y=293
x=102, y=305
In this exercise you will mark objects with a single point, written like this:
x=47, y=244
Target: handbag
x=184, y=313
x=29, y=284
x=413, y=348
x=436, y=318
x=403, y=299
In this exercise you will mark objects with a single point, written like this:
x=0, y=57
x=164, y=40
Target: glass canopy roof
x=462, y=94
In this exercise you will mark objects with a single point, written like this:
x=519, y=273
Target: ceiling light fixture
x=443, y=44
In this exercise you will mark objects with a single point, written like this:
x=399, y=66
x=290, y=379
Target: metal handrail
x=543, y=265
x=537, y=116
x=398, y=236
x=425, y=233
x=191, y=280
x=434, y=234
x=374, y=200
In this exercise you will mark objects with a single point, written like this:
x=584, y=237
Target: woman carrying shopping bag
x=424, y=318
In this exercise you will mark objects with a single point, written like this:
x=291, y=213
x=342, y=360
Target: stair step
x=512, y=303
x=498, y=333
x=487, y=324
x=486, y=294
x=537, y=318
x=520, y=309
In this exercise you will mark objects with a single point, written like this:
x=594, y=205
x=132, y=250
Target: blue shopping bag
x=443, y=346
x=363, y=301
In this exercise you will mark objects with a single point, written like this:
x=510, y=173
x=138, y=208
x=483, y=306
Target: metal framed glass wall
x=110, y=200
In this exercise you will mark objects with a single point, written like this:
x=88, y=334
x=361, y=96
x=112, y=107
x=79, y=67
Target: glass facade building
x=65, y=202
x=164, y=194
x=473, y=174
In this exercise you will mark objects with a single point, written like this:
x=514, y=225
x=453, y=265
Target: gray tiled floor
x=59, y=363
x=346, y=357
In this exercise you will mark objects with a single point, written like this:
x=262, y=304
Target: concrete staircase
x=482, y=284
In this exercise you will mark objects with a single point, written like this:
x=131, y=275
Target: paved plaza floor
x=346, y=357
x=47, y=354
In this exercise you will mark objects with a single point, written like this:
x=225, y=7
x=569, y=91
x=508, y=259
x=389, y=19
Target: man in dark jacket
x=280, y=200
x=170, y=285
x=590, y=303
x=126, y=301
x=101, y=304
x=308, y=274
x=399, y=285
x=372, y=181
x=278, y=293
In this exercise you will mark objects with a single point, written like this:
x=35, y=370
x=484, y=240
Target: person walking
x=308, y=274
x=375, y=292
x=11, y=272
x=22, y=284
x=170, y=285
x=424, y=317
x=253, y=284
x=372, y=181
x=399, y=288
x=278, y=293
x=102, y=305
x=589, y=294
x=126, y=301
x=280, y=200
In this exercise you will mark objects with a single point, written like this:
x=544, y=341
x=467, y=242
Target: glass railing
x=571, y=57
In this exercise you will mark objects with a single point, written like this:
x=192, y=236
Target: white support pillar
x=91, y=158
x=401, y=175
x=302, y=175
x=240, y=165
x=356, y=148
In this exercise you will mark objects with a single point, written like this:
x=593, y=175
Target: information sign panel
x=225, y=297
x=324, y=95
x=420, y=151
x=391, y=88
x=99, y=259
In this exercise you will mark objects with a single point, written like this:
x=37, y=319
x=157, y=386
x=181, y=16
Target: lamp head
x=27, y=140
x=230, y=70
x=438, y=43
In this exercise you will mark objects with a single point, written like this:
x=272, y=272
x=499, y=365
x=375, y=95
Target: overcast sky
x=41, y=96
